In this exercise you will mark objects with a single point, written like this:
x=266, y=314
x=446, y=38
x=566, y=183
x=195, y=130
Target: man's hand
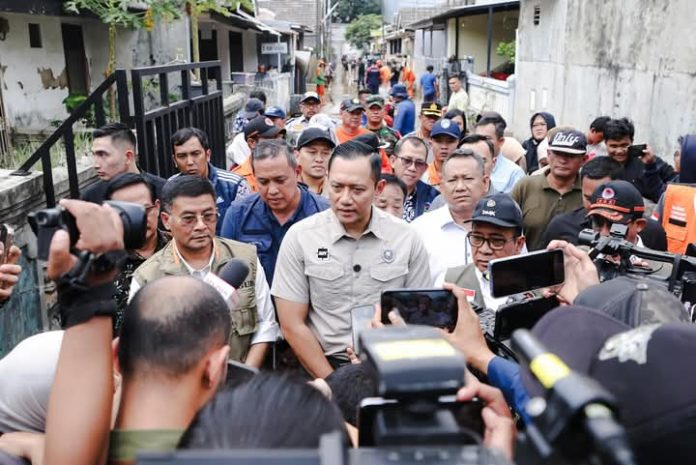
x=580, y=271
x=648, y=157
x=394, y=318
x=500, y=429
x=9, y=272
x=29, y=446
x=467, y=336
x=101, y=230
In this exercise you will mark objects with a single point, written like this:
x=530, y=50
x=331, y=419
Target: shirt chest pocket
x=328, y=285
x=387, y=276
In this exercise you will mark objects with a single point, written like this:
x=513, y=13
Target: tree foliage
x=348, y=10
x=507, y=51
x=358, y=31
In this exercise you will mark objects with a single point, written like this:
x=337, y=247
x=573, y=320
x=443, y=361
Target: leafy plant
x=507, y=51
x=358, y=32
x=348, y=10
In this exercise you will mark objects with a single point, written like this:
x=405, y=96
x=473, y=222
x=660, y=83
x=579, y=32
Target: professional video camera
x=46, y=222
x=613, y=256
x=416, y=419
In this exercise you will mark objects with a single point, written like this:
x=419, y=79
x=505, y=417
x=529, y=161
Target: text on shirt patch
x=323, y=253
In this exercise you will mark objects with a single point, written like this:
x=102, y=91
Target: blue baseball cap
x=399, y=90
x=275, y=112
x=447, y=127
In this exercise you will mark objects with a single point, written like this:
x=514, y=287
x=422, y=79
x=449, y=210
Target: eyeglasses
x=190, y=219
x=599, y=222
x=420, y=164
x=495, y=243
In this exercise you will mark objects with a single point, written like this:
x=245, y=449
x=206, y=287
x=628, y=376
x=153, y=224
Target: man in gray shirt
x=342, y=258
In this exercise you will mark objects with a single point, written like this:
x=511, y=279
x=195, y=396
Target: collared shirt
x=540, y=203
x=252, y=222
x=294, y=127
x=267, y=329
x=458, y=101
x=387, y=136
x=444, y=240
x=505, y=174
x=485, y=285
x=126, y=444
x=321, y=265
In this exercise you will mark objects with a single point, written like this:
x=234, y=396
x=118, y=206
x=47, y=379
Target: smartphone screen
x=523, y=273
x=238, y=373
x=521, y=315
x=360, y=321
x=430, y=307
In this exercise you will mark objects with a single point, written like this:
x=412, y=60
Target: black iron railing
x=66, y=133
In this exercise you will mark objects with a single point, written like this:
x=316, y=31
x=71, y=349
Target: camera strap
x=77, y=300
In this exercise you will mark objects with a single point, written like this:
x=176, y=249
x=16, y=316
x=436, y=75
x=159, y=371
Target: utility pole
x=384, y=41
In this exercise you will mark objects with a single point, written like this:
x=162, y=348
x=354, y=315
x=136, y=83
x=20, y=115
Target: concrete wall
x=587, y=58
x=487, y=94
x=35, y=81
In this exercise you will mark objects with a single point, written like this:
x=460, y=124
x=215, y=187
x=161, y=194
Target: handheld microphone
x=572, y=396
x=228, y=280
x=234, y=273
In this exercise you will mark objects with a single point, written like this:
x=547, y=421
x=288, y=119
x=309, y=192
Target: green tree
x=348, y=10
x=119, y=13
x=358, y=32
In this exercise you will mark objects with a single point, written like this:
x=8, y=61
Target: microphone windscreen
x=234, y=273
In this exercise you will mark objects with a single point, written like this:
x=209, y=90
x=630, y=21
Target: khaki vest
x=166, y=262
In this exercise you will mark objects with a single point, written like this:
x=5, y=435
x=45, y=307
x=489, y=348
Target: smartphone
x=6, y=237
x=637, y=150
x=430, y=307
x=521, y=315
x=467, y=415
x=239, y=373
x=360, y=320
x=522, y=273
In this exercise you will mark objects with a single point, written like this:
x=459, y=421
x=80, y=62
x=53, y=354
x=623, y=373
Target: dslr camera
x=46, y=222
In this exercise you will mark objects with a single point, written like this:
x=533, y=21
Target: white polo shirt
x=444, y=240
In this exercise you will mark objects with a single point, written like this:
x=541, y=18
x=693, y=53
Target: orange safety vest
x=247, y=171
x=433, y=176
x=679, y=217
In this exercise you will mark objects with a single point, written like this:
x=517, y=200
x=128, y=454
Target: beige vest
x=166, y=262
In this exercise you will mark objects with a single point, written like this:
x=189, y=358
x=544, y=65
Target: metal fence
x=198, y=106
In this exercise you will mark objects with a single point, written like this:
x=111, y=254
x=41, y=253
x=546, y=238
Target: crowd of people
x=327, y=215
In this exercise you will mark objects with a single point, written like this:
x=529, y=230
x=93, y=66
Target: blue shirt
x=505, y=375
x=405, y=116
x=251, y=221
x=427, y=82
x=505, y=174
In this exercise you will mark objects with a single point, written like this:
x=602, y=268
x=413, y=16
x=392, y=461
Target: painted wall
x=34, y=79
x=637, y=58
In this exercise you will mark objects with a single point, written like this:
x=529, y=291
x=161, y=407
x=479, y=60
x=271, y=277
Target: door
x=236, y=52
x=75, y=59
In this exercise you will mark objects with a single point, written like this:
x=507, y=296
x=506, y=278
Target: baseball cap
x=309, y=96
x=644, y=368
x=310, y=135
x=634, y=301
x=618, y=201
x=351, y=104
x=274, y=112
x=261, y=126
x=568, y=141
x=431, y=109
x=498, y=209
x=447, y=127
x=399, y=90
x=371, y=139
x=252, y=108
x=374, y=100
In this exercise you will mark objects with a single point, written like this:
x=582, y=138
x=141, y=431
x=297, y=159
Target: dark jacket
x=425, y=194
x=531, y=144
x=251, y=221
x=651, y=180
